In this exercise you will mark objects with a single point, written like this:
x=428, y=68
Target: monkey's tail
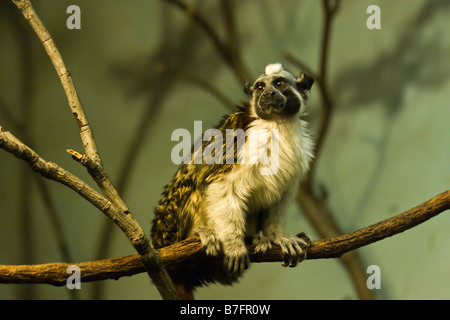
x=184, y=291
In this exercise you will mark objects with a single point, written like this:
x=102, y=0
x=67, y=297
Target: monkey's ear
x=248, y=88
x=304, y=83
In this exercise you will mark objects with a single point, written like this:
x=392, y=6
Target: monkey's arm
x=293, y=247
x=226, y=217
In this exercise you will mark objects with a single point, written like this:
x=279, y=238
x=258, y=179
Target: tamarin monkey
x=225, y=201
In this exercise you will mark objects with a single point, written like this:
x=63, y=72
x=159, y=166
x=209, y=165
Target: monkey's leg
x=293, y=247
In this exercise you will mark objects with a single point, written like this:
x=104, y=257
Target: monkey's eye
x=260, y=87
x=279, y=84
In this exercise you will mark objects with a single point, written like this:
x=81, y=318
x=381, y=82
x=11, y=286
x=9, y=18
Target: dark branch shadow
x=410, y=62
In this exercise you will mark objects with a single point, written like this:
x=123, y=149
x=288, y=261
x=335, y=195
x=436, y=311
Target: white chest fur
x=288, y=151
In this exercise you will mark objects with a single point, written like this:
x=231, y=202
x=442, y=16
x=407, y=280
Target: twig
x=202, y=83
x=314, y=206
x=228, y=51
x=126, y=221
x=191, y=248
x=132, y=230
x=327, y=103
x=320, y=208
x=330, y=9
x=86, y=133
x=232, y=43
x=302, y=66
x=203, y=24
x=54, y=172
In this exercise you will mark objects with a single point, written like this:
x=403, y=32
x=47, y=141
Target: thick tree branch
x=191, y=248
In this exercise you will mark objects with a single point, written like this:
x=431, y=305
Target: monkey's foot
x=262, y=244
x=236, y=259
x=209, y=240
x=293, y=247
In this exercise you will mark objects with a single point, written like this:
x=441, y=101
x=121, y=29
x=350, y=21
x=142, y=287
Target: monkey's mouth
x=267, y=111
x=275, y=105
x=272, y=103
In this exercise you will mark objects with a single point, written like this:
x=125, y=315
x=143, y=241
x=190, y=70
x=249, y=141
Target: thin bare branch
x=203, y=24
x=228, y=51
x=202, y=83
x=330, y=11
x=314, y=206
x=232, y=43
x=54, y=172
x=87, y=137
x=302, y=66
x=132, y=230
x=123, y=217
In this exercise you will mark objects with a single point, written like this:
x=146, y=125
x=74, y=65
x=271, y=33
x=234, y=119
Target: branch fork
x=111, y=204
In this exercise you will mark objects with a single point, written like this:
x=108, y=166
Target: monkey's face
x=275, y=96
x=278, y=94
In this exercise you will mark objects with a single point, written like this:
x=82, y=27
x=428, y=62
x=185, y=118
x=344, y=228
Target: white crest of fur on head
x=273, y=68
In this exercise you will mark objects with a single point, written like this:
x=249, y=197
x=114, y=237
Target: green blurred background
x=136, y=66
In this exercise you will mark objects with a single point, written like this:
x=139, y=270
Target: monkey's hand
x=293, y=247
x=236, y=258
x=209, y=240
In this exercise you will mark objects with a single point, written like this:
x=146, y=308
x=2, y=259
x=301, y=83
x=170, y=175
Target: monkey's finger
x=287, y=250
x=301, y=242
x=291, y=248
x=209, y=241
x=287, y=262
x=294, y=262
x=228, y=264
x=300, y=249
x=290, y=256
x=299, y=246
x=285, y=246
x=305, y=238
x=245, y=263
x=236, y=265
x=290, y=261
